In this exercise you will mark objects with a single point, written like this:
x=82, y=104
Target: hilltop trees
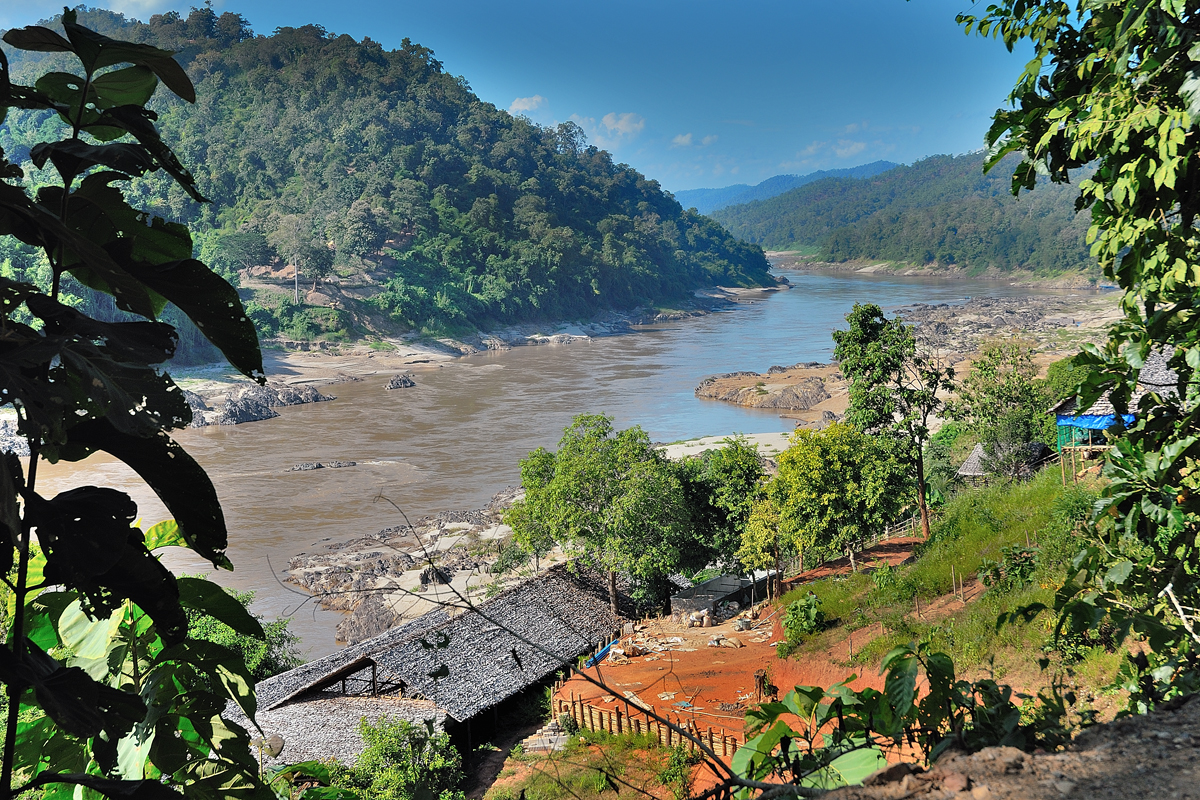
x=465, y=215
x=894, y=386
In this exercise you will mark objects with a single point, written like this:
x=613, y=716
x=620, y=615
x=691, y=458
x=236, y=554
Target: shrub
x=403, y=761
x=803, y=618
x=1013, y=571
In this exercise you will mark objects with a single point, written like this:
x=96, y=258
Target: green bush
x=402, y=761
x=803, y=618
x=264, y=657
x=1013, y=571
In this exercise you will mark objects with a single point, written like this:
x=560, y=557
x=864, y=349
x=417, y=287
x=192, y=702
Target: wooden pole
x=917, y=600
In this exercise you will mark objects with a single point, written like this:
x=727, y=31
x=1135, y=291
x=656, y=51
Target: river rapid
x=456, y=438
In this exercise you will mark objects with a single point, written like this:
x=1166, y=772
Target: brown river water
x=456, y=438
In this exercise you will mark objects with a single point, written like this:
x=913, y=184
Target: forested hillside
x=942, y=210
x=405, y=201
x=708, y=200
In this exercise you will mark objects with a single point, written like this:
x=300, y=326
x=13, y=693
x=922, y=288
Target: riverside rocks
x=401, y=382
x=251, y=404
x=383, y=579
x=10, y=440
x=801, y=391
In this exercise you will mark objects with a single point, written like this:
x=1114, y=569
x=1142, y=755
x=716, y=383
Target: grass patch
x=974, y=526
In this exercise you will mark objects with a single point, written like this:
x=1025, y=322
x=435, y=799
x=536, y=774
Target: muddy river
x=455, y=439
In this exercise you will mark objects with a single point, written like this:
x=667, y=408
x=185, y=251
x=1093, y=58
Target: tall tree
x=613, y=496
x=1117, y=85
x=1003, y=404
x=895, y=386
x=720, y=488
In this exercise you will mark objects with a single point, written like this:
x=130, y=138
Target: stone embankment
x=402, y=572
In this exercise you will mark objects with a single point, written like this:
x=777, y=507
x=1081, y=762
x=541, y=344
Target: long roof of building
x=469, y=658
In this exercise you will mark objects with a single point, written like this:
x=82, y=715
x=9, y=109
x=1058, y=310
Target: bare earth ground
x=1148, y=757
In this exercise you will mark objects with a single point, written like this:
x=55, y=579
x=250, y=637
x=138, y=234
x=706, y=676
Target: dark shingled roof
x=479, y=656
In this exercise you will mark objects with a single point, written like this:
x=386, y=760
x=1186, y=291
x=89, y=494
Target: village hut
x=975, y=469
x=446, y=667
x=1081, y=432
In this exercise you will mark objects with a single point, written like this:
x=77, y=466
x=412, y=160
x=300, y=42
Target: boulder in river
x=250, y=406
x=306, y=466
x=285, y=395
x=401, y=382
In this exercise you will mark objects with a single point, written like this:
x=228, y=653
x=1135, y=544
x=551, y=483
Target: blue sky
x=700, y=93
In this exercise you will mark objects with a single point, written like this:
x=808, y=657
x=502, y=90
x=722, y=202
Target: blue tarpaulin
x=1092, y=422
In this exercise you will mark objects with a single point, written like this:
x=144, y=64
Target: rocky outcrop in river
x=802, y=395
x=251, y=403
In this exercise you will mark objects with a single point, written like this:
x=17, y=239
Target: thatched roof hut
x=975, y=468
x=464, y=660
x=447, y=666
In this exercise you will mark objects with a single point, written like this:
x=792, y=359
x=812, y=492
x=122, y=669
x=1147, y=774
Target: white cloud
x=627, y=124
x=524, y=105
x=613, y=130
x=846, y=148
x=812, y=148
x=685, y=140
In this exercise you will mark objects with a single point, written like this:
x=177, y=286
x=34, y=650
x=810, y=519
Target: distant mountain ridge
x=708, y=200
x=941, y=210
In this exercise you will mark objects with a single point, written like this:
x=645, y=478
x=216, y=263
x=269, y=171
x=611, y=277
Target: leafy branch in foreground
x=106, y=692
x=1117, y=85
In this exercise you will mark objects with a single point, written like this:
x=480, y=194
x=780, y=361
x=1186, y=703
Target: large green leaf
x=208, y=598
x=850, y=769
x=165, y=534
x=213, y=305
x=218, y=662
x=77, y=703
x=91, y=546
x=116, y=789
x=87, y=637
x=175, y=477
x=128, y=86
x=38, y=38
x=97, y=51
x=72, y=156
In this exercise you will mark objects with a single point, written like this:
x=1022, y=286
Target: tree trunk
x=778, y=572
x=612, y=591
x=921, y=495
